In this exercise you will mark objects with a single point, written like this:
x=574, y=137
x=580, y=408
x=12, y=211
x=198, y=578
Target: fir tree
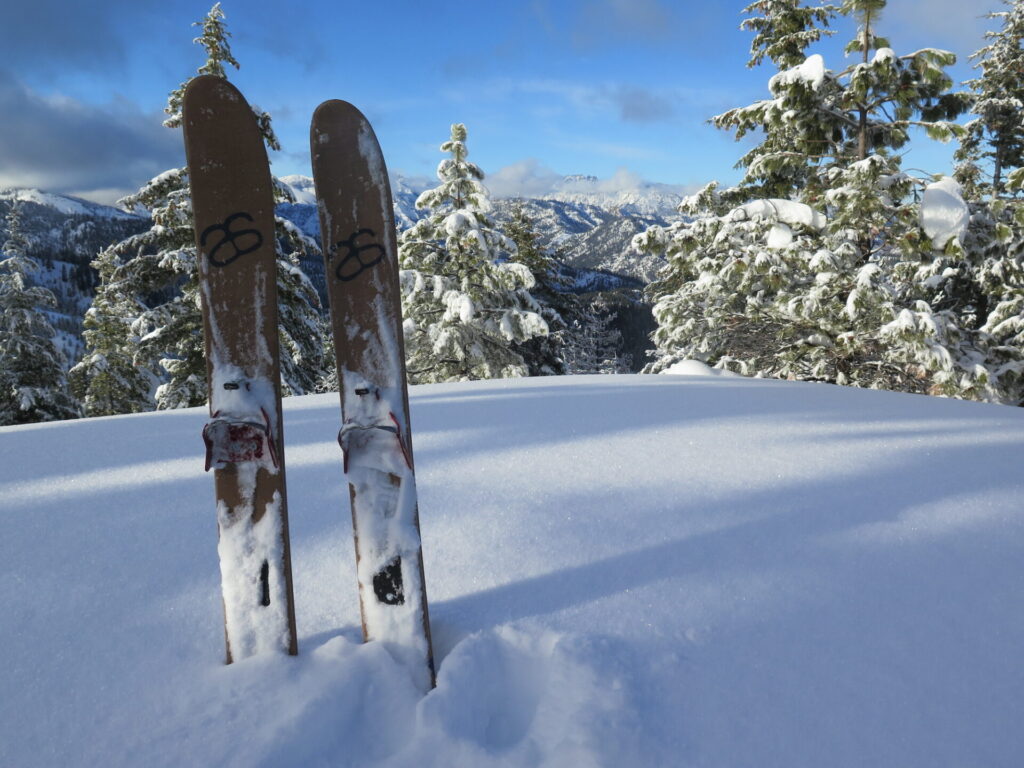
x=594, y=345
x=996, y=134
x=835, y=279
x=33, y=386
x=162, y=331
x=465, y=304
x=543, y=354
x=108, y=380
x=783, y=29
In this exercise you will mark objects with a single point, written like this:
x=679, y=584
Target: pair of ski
x=233, y=209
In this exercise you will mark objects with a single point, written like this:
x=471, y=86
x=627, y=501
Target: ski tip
x=208, y=87
x=334, y=109
x=337, y=118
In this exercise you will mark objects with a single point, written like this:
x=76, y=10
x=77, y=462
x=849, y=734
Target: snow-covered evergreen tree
x=33, y=386
x=988, y=282
x=156, y=273
x=783, y=29
x=996, y=135
x=594, y=345
x=543, y=354
x=845, y=277
x=108, y=380
x=465, y=304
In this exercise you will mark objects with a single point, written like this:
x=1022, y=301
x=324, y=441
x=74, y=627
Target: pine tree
x=988, y=282
x=594, y=345
x=156, y=270
x=996, y=135
x=543, y=354
x=465, y=304
x=783, y=29
x=108, y=380
x=33, y=386
x=835, y=279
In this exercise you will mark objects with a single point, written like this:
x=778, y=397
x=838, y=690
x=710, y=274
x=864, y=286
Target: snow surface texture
x=623, y=571
x=944, y=214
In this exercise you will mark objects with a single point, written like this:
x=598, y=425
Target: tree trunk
x=862, y=117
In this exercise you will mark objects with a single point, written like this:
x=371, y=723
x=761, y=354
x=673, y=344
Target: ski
x=233, y=210
x=357, y=228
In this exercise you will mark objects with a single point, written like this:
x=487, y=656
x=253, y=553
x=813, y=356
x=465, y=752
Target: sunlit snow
x=622, y=571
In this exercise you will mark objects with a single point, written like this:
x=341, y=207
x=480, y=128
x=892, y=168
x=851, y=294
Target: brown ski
x=357, y=227
x=233, y=209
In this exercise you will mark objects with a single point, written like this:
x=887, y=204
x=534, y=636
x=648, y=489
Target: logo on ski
x=230, y=238
x=354, y=263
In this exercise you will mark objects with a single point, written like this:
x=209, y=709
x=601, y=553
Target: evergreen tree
x=107, y=380
x=594, y=345
x=996, y=134
x=838, y=279
x=543, y=354
x=33, y=386
x=783, y=29
x=465, y=304
x=157, y=276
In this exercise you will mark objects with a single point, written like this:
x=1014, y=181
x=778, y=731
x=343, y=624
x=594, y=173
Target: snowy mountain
x=623, y=571
x=65, y=234
x=590, y=231
x=629, y=197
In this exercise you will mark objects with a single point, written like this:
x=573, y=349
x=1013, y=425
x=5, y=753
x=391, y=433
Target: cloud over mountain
x=65, y=145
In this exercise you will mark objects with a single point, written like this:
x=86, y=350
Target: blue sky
x=619, y=89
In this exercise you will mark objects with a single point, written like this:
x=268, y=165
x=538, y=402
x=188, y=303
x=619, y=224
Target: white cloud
x=530, y=178
x=63, y=145
x=527, y=178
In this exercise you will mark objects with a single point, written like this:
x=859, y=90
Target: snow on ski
x=233, y=208
x=360, y=254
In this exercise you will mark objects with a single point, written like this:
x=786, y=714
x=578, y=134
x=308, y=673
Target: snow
x=780, y=236
x=883, y=54
x=695, y=368
x=785, y=211
x=944, y=214
x=623, y=571
x=69, y=206
x=811, y=72
x=302, y=188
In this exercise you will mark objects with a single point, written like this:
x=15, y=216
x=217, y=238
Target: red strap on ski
x=232, y=440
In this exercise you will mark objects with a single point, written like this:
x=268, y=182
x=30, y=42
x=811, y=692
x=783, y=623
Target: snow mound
x=785, y=211
x=811, y=72
x=623, y=571
x=695, y=368
x=944, y=214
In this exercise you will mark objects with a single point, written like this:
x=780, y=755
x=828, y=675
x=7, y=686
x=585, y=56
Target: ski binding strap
x=232, y=439
x=364, y=435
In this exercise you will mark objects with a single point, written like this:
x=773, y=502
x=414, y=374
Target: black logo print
x=357, y=258
x=231, y=238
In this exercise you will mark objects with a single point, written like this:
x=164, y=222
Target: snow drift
x=623, y=571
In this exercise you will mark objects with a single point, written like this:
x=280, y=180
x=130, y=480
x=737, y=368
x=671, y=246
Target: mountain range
x=585, y=225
